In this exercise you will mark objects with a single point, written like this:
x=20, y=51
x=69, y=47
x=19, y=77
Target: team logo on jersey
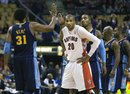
x=71, y=38
x=89, y=81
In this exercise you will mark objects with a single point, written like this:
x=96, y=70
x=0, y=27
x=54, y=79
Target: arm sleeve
x=102, y=51
x=7, y=48
x=83, y=33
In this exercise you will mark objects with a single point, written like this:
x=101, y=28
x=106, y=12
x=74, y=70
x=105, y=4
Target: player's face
x=85, y=21
x=70, y=23
x=116, y=32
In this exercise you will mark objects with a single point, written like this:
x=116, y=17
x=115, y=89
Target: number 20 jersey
x=24, y=43
x=72, y=43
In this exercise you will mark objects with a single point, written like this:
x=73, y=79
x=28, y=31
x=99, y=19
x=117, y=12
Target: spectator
x=50, y=84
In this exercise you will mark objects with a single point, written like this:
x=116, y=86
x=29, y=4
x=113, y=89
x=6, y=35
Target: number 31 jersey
x=24, y=42
x=72, y=43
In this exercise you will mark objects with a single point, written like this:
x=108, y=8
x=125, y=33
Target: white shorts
x=74, y=77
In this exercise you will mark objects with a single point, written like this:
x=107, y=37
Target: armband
x=7, y=48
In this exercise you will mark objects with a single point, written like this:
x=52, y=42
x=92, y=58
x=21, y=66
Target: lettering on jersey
x=70, y=38
x=20, y=31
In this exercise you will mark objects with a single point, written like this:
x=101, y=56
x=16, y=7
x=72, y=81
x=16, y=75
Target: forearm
x=102, y=51
x=94, y=47
x=6, y=59
x=53, y=22
x=116, y=64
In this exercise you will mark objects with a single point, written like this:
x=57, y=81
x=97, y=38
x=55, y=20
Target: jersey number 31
x=21, y=40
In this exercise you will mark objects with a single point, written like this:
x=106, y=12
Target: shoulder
x=115, y=44
x=64, y=28
x=98, y=34
x=126, y=43
x=80, y=29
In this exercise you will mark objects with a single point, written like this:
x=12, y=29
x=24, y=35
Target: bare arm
x=61, y=41
x=37, y=27
x=127, y=48
x=116, y=49
x=7, y=56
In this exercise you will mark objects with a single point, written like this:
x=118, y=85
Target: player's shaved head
x=85, y=15
x=68, y=16
x=70, y=21
x=108, y=29
x=107, y=32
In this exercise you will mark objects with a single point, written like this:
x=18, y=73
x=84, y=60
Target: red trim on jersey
x=89, y=84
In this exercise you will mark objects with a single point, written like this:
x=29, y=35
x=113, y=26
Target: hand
x=53, y=10
x=126, y=73
x=60, y=18
x=112, y=74
x=104, y=69
x=83, y=59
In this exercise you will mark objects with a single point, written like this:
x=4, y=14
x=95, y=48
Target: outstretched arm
x=35, y=26
x=7, y=49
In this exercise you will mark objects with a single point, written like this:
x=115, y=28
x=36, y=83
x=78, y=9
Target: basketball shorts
x=26, y=73
x=77, y=76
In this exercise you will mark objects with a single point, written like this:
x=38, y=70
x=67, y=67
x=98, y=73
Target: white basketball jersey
x=73, y=43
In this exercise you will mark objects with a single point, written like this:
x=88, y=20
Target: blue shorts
x=26, y=73
x=96, y=73
x=122, y=80
x=110, y=84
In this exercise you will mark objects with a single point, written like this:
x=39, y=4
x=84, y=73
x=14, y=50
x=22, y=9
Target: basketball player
x=94, y=61
x=74, y=76
x=112, y=61
x=124, y=64
x=21, y=36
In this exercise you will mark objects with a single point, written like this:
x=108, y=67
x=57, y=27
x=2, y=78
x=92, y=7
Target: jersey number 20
x=70, y=46
x=21, y=40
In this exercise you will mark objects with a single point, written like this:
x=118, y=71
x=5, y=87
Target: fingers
x=79, y=60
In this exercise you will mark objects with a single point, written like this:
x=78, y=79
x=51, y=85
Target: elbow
x=98, y=42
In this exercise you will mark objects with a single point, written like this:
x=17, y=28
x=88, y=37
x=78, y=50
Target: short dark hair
x=20, y=14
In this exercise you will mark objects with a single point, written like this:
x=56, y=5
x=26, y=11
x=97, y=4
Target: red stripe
x=89, y=84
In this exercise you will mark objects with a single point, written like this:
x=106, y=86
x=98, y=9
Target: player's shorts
x=122, y=80
x=26, y=73
x=96, y=74
x=77, y=76
x=110, y=84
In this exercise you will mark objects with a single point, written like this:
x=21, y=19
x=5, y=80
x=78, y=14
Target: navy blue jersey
x=109, y=53
x=123, y=55
x=94, y=57
x=23, y=40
